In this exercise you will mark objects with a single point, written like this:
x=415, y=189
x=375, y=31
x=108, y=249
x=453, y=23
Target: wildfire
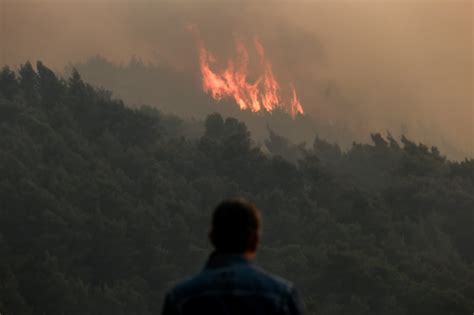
x=263, y=94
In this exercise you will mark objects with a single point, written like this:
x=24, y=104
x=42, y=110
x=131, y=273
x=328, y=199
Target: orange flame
x=232, y=82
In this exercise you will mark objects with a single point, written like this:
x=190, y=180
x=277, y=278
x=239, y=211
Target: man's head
x=236, y=227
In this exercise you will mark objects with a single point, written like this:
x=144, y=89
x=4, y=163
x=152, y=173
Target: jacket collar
x=222, y=260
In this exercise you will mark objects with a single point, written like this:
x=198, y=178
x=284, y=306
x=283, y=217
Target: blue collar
x=221, y=260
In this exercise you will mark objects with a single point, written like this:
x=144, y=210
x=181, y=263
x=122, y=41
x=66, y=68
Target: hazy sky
x=376, y=65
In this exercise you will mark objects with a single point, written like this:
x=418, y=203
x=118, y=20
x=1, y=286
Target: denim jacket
x=230, y=284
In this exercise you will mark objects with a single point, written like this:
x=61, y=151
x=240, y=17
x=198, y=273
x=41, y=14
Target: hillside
x=104, y=207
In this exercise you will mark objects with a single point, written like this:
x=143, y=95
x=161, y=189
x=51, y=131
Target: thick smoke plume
x=400, y=66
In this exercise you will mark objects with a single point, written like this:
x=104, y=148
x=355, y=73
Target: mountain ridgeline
x=104, y=207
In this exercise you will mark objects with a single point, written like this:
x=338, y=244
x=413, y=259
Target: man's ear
x=254, y=241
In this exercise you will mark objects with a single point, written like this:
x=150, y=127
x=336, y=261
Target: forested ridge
x=104, y=207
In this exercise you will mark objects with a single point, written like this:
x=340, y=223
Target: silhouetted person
x=230, y=283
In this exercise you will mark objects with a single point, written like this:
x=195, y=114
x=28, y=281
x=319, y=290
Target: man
x=230, y=283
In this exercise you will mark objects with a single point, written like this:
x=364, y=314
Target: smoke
x=369, y=66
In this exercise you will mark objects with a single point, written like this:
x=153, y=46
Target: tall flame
x=233, y=82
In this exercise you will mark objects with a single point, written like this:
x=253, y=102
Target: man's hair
x=235, y=226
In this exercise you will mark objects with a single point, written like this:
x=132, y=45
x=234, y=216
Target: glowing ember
x=233, y=82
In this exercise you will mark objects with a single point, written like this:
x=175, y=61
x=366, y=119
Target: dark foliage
x=103, y=208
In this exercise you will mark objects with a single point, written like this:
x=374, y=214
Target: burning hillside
x=233, y=81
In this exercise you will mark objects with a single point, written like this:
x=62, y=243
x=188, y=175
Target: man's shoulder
x=188, y=285
x=271, y=281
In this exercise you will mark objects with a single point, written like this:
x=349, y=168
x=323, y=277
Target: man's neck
x=250, y=255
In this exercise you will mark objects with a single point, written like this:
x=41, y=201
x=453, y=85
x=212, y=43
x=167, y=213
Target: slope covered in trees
x=331, y=111
x=181, y=93
x=103, y=208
